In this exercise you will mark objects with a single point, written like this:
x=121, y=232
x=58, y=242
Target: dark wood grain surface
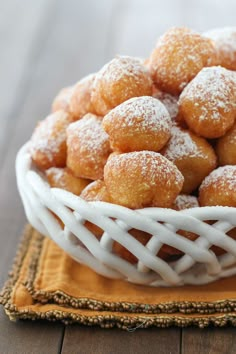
x=46, y=45
x=114, y=341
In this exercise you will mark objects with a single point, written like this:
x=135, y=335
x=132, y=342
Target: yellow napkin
x=46, y=283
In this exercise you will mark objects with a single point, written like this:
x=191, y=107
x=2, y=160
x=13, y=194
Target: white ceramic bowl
x=198, y=265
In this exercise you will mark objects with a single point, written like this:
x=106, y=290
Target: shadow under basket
x=63, y=216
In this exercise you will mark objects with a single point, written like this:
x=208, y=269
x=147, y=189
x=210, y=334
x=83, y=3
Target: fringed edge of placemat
x=125, y=322
x=185, y=307
x=13, y=275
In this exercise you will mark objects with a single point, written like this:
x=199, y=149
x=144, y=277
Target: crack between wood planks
x=61, y=340
x=181, y=341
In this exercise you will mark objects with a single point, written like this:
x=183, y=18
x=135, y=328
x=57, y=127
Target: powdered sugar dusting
x=61, y=101
x=181, y=145
x=95, y=191
x=142, y=114
x=187, y=43
x=121, y=66
x=80, y=101
x=90, y=137
x=230, y=136
x=188, y=50
x=50, y=134
x=213, y=86
x=224, y=176
x=149, y=163
x=184, y=201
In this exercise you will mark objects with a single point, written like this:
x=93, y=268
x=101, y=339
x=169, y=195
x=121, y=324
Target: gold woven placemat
x=45, y=283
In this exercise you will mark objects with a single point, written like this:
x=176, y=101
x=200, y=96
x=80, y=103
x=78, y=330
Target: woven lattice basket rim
x=198, y=265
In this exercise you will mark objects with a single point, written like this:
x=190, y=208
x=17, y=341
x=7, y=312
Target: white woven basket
x=198, y=265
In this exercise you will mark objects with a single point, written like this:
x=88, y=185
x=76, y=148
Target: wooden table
x=46, y=45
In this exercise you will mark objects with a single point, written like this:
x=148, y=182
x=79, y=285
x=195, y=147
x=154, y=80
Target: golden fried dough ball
x=193, y=155
x=169, y=101
x=96, y=191
x=219, y=188
x=179, y=55
x=225, y=42
x=208, y=102
x=143, y=178
x=80, y=101
x=48, y=142
x=122, y=78
x=226, y=147
x=63, y=178
x=88, y=147
x=62, y=100
x=141, y=123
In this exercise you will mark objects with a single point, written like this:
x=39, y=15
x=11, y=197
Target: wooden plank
x=209, y=341
x=9, y=238
x=87, y=340
x=39, y=337
x=22, y=26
